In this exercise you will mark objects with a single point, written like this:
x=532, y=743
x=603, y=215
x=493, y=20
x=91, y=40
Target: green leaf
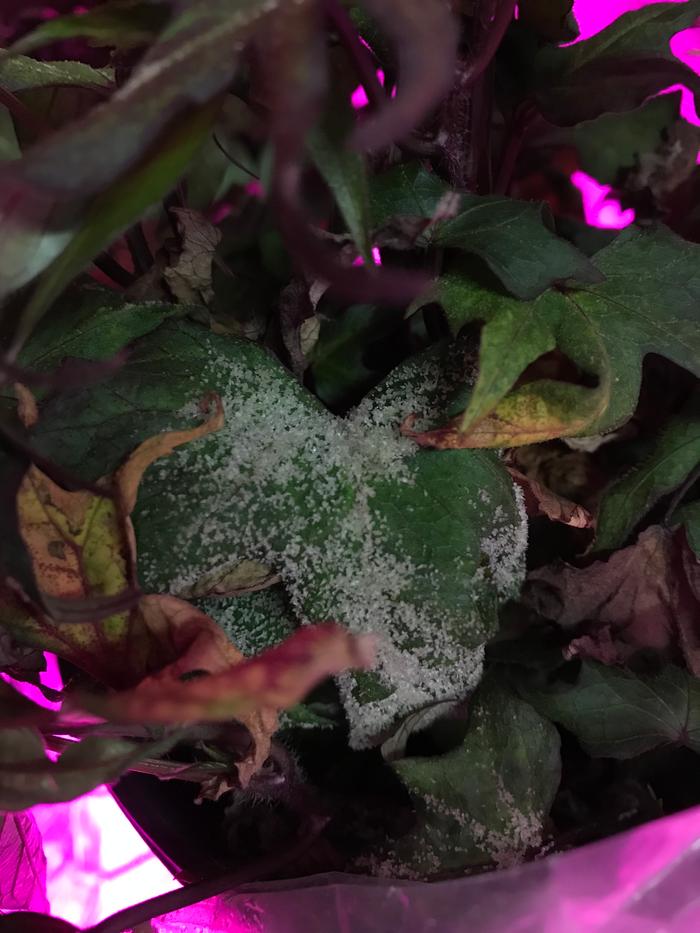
x=606, y=330
x=154, y=119
x=618, y=68
x=551, y=19
x=345, y=173
x=29, y=777
x=486, y=801
x=21, y=73
x=90, y=323
x=122, y=24
x=673, y=457
x=689, y=515
x=9, y=147
x=614, y=142
x=343, y=365
x=362, y=528
x=617, y=714
x=109, y=214
x=513, y=238
x=254, y=621
x=407, y=190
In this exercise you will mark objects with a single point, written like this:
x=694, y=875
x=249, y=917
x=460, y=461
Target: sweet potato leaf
x=355, y=521
x=486, y=801
x=614, y=143
x=617, y=69
x=514, y=238
x=21, y=73
x=675, y=454
x=605, y=329
x=345, y=173
x=615, y=713
x=122, y=24
x=159, y=116
x=22, y=864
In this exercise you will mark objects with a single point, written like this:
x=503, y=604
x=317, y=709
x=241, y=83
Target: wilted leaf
x=22, y=864
x=190, y=274
x=635, y=600
x=276, y=679
x=356, y=522
x=675, y=454
x=82, y=554
x=617, y=69
x=542, y=501
x=513, y=238
x=605, y=329
x=28, y=776
x=486, y=801
x=617, y=714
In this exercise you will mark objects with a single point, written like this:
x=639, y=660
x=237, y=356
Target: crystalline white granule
x=505, y=550
x=277, y=450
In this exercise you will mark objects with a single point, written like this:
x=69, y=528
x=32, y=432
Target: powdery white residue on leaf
x=506, y=550
x=290, y=485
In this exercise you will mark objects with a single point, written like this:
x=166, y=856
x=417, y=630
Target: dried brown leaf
x=542, y=501
x=189, y=275
x=643, y=597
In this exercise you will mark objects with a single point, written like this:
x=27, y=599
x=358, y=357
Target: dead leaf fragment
x=643, y=597
x=27, y=409
x=189, y=276
x=542, y=501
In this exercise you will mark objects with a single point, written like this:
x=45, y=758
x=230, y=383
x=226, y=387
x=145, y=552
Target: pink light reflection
x=96, y=861
x=376, y=256
x=359, y=99
x=598, y=209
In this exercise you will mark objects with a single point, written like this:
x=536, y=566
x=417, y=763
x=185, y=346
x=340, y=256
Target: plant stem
x=511, y=150
x=258, y=870
x=488, y=40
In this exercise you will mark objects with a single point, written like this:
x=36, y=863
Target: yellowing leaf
x=539, y=411
x=278, y=678
x=81, y=549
